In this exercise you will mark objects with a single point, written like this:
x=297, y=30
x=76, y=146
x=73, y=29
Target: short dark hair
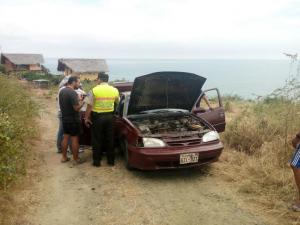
x=73, y=79
x=103, y=77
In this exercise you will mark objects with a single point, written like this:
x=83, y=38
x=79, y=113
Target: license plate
x=189, y=158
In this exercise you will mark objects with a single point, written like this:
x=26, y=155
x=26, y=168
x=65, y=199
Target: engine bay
x=169, y=125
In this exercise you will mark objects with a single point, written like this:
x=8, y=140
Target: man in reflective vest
x=99, y=114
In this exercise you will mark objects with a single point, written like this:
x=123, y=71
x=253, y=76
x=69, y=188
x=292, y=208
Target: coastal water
x=246, y=78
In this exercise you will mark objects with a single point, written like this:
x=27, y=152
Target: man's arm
x=87, y=117
x=117, y=98
x=78, y=106
x=89, y=101
x=76, y=102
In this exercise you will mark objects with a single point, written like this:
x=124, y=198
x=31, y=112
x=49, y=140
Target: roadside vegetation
x=2, y=68
x=17, y=112
x=30, y=76
x=258, y=147
x=17, y=128
x=258, y=138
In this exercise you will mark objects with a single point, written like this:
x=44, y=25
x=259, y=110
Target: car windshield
x=168, y=110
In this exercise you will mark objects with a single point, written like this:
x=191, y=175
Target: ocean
x=246, y=78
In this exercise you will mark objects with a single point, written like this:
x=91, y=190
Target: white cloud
x=151, y=28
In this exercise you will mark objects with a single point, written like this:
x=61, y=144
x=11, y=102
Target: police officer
x=99, y=114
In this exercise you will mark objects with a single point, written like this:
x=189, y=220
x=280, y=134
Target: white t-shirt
x=58, y=107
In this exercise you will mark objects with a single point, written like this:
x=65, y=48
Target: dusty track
x=84, y=195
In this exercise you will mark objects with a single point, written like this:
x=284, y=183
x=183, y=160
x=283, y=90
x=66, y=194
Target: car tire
x=124, y=150
x=118, y=145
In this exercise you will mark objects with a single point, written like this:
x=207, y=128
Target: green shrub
x=30, y=76
x=17, y=111
x=2, y=68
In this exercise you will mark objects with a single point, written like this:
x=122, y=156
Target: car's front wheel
x=124, y=149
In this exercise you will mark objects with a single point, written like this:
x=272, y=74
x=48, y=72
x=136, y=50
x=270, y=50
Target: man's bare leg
x=75, y=147
x=64, y=146
x=297, y=180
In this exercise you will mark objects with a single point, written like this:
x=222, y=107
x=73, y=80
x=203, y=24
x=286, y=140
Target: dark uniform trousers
x=103, y=136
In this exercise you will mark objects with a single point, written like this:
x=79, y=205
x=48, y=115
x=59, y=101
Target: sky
x=214, y=29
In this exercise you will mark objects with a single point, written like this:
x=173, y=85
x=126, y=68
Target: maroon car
x=158, y=125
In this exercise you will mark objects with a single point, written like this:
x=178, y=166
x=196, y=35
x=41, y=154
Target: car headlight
x=153, y=142
x=210, y=136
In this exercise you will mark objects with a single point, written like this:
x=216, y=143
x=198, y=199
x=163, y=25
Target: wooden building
x=22, y=62
x=86, y=69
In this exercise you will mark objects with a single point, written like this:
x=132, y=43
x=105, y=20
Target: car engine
x=168, y=125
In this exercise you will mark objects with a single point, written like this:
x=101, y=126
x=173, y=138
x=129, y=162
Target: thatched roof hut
x=20, y=62
x=85, y=68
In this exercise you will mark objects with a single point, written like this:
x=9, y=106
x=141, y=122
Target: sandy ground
x=62, y=194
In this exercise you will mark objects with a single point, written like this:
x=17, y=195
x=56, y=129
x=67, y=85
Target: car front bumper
x=169, y=157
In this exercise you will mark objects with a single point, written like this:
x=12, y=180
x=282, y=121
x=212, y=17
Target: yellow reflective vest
x=105, y=97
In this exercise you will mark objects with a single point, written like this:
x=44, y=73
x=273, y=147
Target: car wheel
x=124, y=149
x=118, y=145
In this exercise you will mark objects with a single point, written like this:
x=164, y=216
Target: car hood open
x=161, y=90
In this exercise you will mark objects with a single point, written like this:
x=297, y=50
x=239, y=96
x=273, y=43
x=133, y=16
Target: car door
x=215, y=115
x=118, y=117
x=121, y=126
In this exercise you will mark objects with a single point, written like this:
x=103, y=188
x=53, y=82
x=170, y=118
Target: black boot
x=97, y=163
x=111, y=163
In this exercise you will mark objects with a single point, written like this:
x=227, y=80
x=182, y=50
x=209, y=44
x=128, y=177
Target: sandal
x=78, y=161
x=65, y=160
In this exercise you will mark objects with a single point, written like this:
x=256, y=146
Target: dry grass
x=257, y=154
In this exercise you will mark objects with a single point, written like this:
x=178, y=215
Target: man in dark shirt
x=70, y=106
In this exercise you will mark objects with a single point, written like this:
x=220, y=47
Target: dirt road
x=85, y=195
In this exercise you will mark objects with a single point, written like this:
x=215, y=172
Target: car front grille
x=184, y=142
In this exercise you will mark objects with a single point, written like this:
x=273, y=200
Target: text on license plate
x=189, y=158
